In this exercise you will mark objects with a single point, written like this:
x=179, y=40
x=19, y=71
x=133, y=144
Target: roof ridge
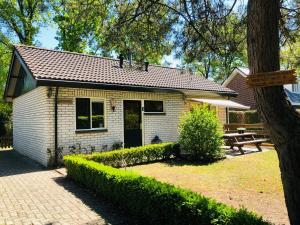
x=90, y=55
x=64, y=51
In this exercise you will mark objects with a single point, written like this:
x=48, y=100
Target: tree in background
x=224, y=45
x=290, y=55
x=20, y=22
x=78, y=21
x=141, y=29
x=114, y=27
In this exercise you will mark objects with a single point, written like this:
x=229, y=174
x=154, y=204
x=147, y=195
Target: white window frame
x=99, y=100
x=150, y=100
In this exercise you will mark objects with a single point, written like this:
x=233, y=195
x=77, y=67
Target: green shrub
x=248, y=117
x=153, y=202
x=132, y=156
x=5, y=119
x=201, y=134
x=252, y=117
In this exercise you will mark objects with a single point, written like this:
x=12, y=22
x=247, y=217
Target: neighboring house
x=63, y=98
x=237, y=82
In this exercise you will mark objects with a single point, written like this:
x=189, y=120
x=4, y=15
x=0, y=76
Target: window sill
x=155, y=113
x=91, y=131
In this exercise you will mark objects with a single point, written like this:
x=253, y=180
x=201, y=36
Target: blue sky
x=46, y=37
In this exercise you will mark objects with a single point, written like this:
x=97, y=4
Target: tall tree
x=77, y=22
x=108, y=27
x=140, y=28
x=290, y=55
x=21, y=19
x=228, y=33
x=20, y=22
x=279, y=116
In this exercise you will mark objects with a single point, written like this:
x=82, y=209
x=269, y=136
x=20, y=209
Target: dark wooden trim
x=91, y=131
x=154, y=113
x=93, y=85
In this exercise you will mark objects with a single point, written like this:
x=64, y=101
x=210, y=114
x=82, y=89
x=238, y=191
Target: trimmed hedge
x=136, y=155
x=153, y=202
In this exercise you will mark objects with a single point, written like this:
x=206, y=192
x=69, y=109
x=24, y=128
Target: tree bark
x=279, y=116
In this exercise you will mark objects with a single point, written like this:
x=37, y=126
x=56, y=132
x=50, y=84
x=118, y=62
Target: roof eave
x=93, y=85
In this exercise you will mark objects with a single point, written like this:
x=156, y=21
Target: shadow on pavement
x=95, y=203
x=13, y=163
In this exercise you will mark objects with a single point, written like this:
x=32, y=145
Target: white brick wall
x=165, y=126
x=31, y=124
x=33, y=115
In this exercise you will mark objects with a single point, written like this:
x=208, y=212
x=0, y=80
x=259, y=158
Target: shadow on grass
x=183, y=161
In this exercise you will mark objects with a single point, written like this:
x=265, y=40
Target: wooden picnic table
x=241, y=139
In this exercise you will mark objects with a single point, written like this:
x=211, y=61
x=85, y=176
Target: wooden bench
x=257, y=143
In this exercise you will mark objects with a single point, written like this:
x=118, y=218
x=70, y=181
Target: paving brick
x=33, y=195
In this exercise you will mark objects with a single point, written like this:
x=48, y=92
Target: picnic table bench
x=234, y=139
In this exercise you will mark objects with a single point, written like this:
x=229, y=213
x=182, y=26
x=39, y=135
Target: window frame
x=99, y=100
x=154, y=113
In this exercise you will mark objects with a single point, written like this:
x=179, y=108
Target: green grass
x=244, y=180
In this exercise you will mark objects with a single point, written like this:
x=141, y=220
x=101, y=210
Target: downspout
x=55, y=127
x=227, y=112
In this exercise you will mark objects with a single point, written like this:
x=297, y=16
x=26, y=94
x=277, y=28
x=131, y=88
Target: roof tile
x=69, y=66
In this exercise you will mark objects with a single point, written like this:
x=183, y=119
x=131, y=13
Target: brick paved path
x=30, y=194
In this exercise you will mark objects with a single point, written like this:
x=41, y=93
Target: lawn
x=252, y=181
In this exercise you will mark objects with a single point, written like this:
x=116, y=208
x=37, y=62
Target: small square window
x=89, y=114
x=153, y=106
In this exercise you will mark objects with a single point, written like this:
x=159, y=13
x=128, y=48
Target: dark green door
x=132, y=123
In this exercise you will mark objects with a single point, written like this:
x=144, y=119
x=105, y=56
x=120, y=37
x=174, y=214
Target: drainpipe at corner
x=55, y=127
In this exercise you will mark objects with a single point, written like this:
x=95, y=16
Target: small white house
x=63, y=98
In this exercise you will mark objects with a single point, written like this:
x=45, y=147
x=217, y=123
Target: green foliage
x=135, y=155
x=289, y=57
x=108, y=27
x=5, y=119
x=249, y=117
x=140, y=28
x=229, y=41
x=117, y=145
x=5, y=55
x=21, y=19
x=201, y=134
x=153, y=202
x=77, y=22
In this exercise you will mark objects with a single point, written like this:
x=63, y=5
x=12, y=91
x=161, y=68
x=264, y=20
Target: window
x=89, y=114
x=153, y=106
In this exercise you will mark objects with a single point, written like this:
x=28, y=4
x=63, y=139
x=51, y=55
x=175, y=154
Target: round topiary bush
x=200, y=134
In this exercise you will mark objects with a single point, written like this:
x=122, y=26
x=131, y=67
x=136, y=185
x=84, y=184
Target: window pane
x=83, y=113
x=154, y=106
x=97, y=115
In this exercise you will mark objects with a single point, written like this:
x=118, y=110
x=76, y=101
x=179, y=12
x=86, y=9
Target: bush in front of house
x=152, y=202
x=135, y=155
x=200, y=134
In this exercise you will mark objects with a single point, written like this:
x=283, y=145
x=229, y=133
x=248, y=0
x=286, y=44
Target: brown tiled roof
x=69, y=66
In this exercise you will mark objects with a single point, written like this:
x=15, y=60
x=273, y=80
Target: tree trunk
x=279, y=116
